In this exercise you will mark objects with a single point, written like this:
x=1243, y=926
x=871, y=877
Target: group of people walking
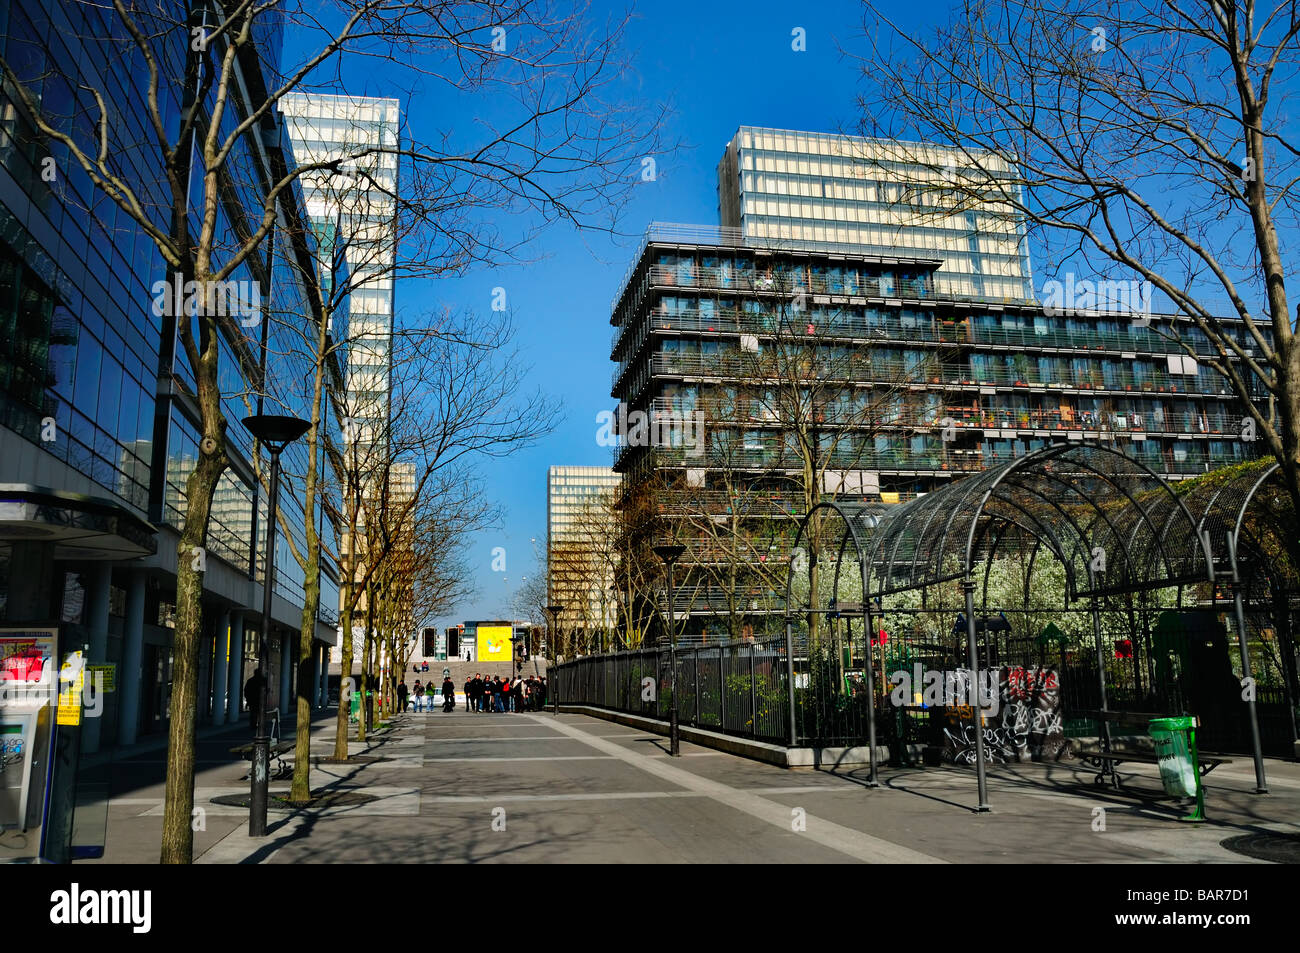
x=481, y=694
x=502, y=695
x=422, y=694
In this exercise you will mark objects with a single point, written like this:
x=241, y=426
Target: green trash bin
x=1175, y=743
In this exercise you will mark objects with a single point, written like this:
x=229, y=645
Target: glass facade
x=79, y=343
x=578, y=579
x=84, y=342
x=817, y=190
x=358, y=204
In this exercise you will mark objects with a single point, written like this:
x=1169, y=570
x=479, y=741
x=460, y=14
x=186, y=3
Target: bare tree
x=1146, y=137
x=563, y=155
x=439, y=421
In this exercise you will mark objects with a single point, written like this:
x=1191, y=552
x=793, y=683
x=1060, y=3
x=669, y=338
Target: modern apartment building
x=98, y=423
x=579, y=535
x=834, y=192
x=793, y=357
x=860, y=327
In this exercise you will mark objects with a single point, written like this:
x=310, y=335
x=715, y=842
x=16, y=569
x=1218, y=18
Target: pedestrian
x=402, y=692
x=506, y=689
x=496, y=693
x=418, y=692
x=476, y=692
x=254, y=696
x=448, y=694
x=541, y=699
x=519, y=695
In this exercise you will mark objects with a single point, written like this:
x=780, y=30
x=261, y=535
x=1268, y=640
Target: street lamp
x=275, y=433
x=670, y=553
x=555, y=641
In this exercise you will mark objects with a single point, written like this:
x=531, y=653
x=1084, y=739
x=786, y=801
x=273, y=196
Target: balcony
x=865, y=368
x=851, y=326
x=971, y=417
x=934, y=460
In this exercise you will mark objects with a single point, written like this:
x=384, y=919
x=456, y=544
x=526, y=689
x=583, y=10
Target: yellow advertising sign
x=105, y=674
x=72, y=677
x=494, y=643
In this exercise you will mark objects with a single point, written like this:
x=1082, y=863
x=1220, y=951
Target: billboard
x=494, y=643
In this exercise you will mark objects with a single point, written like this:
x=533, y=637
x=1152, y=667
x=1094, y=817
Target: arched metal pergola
x=1116, y=527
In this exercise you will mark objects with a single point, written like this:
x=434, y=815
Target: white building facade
x=824, y=191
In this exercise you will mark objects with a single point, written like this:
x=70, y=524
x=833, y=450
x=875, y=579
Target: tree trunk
x=178, y=803
x=301, y=788
x=367, y=685
x=345, y=675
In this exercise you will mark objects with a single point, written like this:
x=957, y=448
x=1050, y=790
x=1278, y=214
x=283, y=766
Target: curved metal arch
x=1072, y=582
x=1045, y=454
x=901, y=547
x=1228, y=505
x=1268, y=473
x=1085, y=529
x=1115, y=532
x=1100, y=512
x=835, y=507
x=1146, y=516
x=1042, y=534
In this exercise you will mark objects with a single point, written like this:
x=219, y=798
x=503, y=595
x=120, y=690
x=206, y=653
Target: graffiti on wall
x=1026, y=727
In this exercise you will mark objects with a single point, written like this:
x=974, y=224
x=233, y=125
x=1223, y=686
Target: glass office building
x=578, y=534
x=98, y=425
x=359, y=204
x=355, y=208
x=835, y=192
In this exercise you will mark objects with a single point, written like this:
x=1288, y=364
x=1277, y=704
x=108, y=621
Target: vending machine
x=28, y=708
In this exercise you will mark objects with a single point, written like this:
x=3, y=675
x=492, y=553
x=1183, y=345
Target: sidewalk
x=534, y=787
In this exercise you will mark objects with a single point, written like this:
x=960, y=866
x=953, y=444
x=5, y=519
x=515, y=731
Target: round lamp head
x=554, y=610
x=276, y=431
x=669, y=553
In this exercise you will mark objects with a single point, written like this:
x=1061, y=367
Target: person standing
x=255, y=696
x=448, y=694
x=402, y=692
x=418, y=692
x=476, y=693
x=468, y=683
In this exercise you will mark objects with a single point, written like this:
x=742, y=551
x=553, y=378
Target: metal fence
x=741, y=688
x=734, y=687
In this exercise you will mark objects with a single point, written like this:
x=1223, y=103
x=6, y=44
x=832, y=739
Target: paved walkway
x=468, y=787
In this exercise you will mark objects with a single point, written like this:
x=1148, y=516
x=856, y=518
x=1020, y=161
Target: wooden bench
x=277, y=751
x=1108, y=760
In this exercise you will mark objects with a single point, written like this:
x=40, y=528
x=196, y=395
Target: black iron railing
x=734, y=687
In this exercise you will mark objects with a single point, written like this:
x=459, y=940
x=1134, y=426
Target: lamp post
x=670, y=553
x=555, y=642
x=275, y=433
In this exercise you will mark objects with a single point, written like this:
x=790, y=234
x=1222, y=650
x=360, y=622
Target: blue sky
x=718, y=66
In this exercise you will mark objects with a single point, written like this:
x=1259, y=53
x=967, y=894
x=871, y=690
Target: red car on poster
x=25, y=664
